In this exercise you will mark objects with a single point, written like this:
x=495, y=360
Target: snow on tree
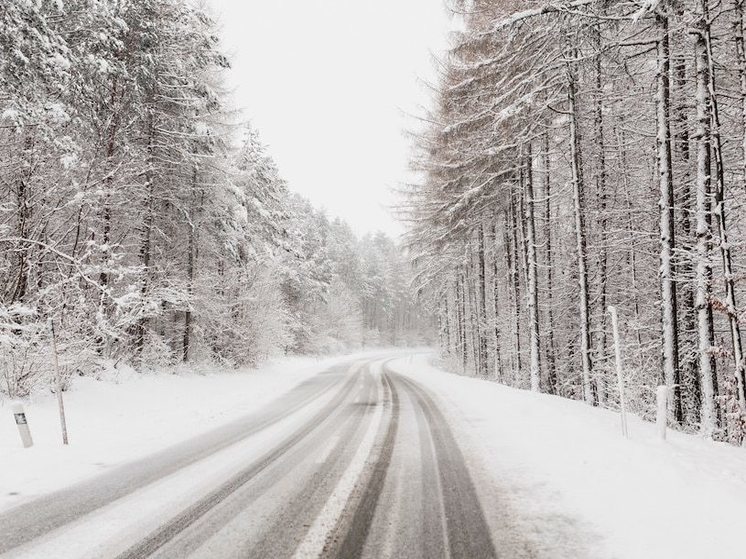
x=144, y=220
x=590, y=153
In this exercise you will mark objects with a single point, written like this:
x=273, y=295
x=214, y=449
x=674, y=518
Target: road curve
x=363, y=464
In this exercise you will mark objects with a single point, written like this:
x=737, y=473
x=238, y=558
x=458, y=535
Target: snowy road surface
x=357, y=461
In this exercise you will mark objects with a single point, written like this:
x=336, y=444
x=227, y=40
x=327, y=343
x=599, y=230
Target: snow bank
x=127, y=416
x=556, y=460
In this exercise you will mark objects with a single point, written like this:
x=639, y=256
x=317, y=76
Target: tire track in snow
x=29, y=521
x=357, y=533
x=182, y=521
x=467, y=532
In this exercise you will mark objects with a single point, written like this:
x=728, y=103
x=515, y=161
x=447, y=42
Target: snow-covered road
x=357, y=461
x=388, y=456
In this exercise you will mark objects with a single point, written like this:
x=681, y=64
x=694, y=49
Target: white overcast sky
x=328, y=84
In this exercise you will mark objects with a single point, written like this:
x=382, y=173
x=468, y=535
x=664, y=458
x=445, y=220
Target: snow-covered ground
x=556, y=463
x=558, y=468
x=125, y=415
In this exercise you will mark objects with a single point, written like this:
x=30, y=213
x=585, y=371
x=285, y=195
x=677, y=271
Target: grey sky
x=328, y=84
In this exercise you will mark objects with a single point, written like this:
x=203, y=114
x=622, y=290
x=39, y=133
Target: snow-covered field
x=126, y=415
x=557, y=463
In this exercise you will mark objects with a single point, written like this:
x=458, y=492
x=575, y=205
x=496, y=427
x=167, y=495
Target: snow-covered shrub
x=26, y=353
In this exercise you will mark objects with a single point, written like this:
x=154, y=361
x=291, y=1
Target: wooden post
x=661, y=418
x=619, y=371
x=60, y=402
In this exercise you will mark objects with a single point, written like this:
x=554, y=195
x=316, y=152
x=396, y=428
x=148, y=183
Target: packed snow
x=126, y=415
x=566, y=478
x=556, y=462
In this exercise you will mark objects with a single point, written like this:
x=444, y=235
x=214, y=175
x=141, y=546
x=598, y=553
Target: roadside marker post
x=60, y=402
x=661, y=417
x=22, y=423
x=619, y=371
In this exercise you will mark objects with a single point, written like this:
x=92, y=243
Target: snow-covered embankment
x=554, y=461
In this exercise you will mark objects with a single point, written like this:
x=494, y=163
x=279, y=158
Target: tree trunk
x=146, y=235
x=576, y=162
x=725, y=252
x=497, y=306
x=670, y=350
x=687, y=311
x=703, y=272
x=551, y=348
x=191, y=270
x=446, y=326
x=106, y=213
x=632, y=254
x=473, y=320
x=482, y=280
x=741, y=55
x=602, y=221
x=462, y=319
x=532, y=286
x=511, y=251
x=23, y=223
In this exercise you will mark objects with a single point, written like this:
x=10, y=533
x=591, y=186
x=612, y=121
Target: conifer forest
x=353, y=279
x=582, y=155
x=142, y=217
